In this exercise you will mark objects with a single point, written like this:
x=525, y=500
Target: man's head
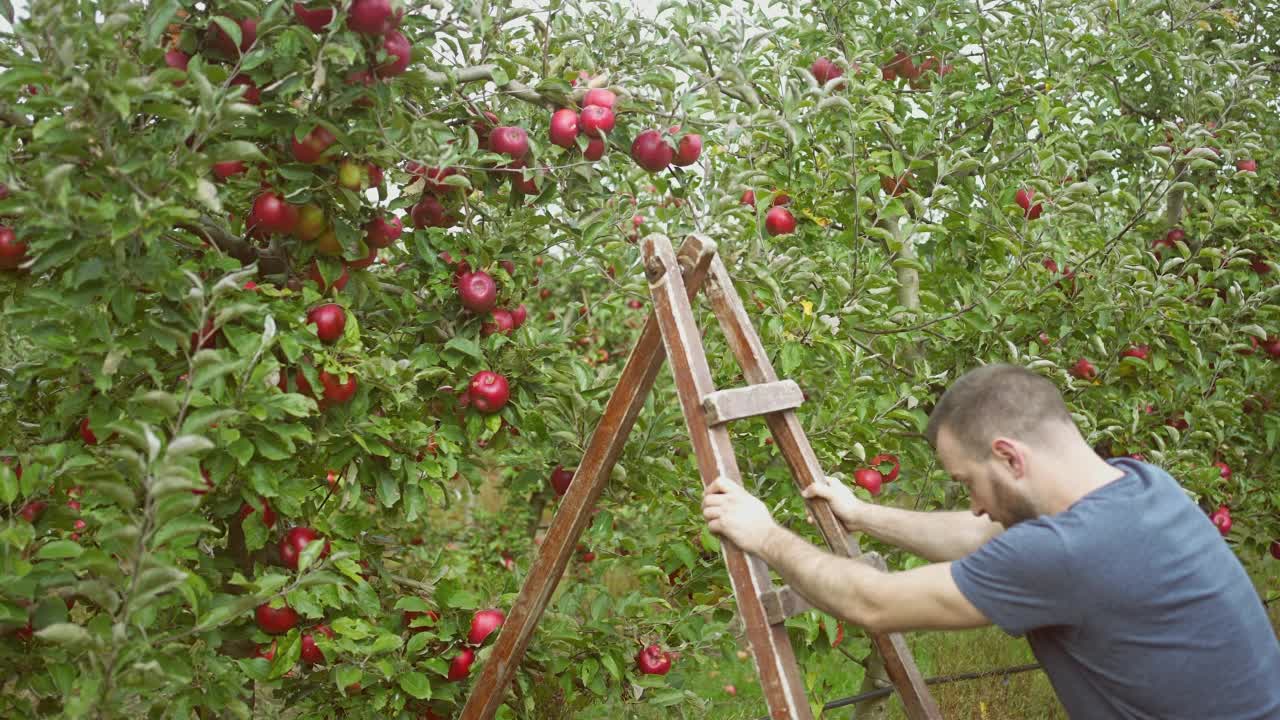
x=1000, y=429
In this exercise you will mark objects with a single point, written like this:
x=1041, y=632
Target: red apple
x=484, y=624
x=824, y=70
x=748, y=198
x=779, y=221
x=315, y=20
x=651, y=151
x=294, y=541
x=206, y=338
x=268, y=515
x=429, y=212
x=1222, y=519
x=896, y=186
x=276, y=621
x=599, y=97
x=32, y=511
x=1247, y=166
x=1272, y=346
x=518, y=316
x=561, y=479
x=1024, y=198
x=381, y=233
x=1224, y=470
x=371, y=17
x=13, y=252
x=224, y=170
x=314, y=275
x=330, y=320
x=460, y=666
x=564, y=128
x=653, y=661
x=596, y=121
x=271, y=214
x=311, y=223
x=336, y=391
x=689, y=150
x=510, y=141
x=433, y=177
x=220, y=42
x=86, y=433
x=1084, y=370
x=351, y=175
x=177, y=60
x=488, y=391
x=891, y=459
x=595, y=149
x=399, y=54
x=529, y=185
x=1275, y=549
x=1141, y=352
x=252, y=94
x=311, y=148
x=311, y=653
x=869, y=478
x=477, y=291
x=1170, y=240
x=501, y=322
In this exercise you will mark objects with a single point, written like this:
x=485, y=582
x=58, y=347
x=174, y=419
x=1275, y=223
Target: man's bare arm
x=934, y=536
x=925, y=598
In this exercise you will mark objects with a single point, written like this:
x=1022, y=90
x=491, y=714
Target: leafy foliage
x=151, y=304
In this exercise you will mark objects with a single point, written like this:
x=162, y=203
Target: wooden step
x=722, y=406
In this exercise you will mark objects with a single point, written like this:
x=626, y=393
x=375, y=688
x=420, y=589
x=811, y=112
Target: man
x=1130, y=599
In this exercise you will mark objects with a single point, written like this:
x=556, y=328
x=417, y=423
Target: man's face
x=993, y=488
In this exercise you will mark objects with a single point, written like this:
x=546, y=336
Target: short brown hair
x=993, y=400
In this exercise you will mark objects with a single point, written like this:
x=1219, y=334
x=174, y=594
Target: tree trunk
x=876, y=677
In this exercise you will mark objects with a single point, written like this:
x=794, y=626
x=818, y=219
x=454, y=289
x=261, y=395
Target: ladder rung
x=783, y=602
x=722, y=406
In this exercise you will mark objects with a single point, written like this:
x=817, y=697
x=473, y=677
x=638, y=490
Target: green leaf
x=236, y=150
x=231, y=28
x=180, y=527
x=416, y=684
x=465, y=345
x=65, y=634
x=59, y=550
x=161, y=15
x=8, y=484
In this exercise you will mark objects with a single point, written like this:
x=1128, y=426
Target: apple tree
x=310, y=309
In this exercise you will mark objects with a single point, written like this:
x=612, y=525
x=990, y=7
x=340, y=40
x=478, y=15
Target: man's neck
x=1078, y=478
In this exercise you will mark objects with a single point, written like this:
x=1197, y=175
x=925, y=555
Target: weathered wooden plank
x=780, y=677
x=789, y=437
x=574, y=511
x=723, y=406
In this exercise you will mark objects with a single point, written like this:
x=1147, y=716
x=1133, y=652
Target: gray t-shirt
x=1133, y=604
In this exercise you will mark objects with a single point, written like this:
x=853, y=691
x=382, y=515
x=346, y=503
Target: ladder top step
x=722, y=406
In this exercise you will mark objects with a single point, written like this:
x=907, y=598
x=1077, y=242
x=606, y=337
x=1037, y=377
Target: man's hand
x=844, y=503
x=736, y=515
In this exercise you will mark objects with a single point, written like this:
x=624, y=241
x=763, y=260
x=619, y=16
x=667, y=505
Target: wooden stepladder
x=674, y=280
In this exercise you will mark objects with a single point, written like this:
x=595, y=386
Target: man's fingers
x=817, y=489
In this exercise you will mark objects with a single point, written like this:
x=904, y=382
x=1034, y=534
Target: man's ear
x=1010, y=454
